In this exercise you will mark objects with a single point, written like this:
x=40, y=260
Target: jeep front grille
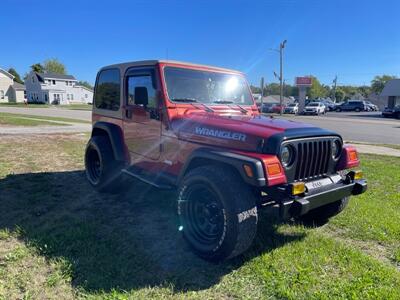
x=312, y=159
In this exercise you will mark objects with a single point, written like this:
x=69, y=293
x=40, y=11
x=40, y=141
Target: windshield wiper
x=243, y=110
x=188, y=100
x=192, y=101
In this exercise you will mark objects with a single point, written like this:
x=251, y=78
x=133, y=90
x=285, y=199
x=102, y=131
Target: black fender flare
x=115, y=135
x=234, y=160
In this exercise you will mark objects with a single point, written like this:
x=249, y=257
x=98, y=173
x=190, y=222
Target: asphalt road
x=359, y=127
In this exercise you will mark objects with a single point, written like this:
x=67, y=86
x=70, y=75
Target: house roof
x=392, y=88
x=18, y=86
x=84, y=87
x=51, y=75
x=6, y=73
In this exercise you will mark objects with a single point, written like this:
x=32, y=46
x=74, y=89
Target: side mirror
x=141, y=96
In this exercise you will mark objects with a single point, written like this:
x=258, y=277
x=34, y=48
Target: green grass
x=77, y=106
x=60, y=239
x=31, y=105
x=22, y=120
x=32, y=120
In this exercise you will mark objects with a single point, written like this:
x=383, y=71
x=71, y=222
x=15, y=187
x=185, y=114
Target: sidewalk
x=376, y=149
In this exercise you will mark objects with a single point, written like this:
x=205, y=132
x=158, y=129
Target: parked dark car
x=268, y=107
x=391, y=112
x=352, y=105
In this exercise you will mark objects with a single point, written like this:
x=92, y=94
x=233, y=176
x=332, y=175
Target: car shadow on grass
x=110, y=242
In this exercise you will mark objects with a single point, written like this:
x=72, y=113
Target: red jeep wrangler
x=196, y=128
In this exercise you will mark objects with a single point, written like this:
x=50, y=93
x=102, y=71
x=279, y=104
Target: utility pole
x=334, y=88
x=281, y=46
x=280, y=77
x=262, y=93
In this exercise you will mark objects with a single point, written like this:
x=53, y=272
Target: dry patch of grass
x=59, y=239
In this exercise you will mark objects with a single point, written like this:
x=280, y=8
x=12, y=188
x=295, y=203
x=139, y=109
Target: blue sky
x=353, y=39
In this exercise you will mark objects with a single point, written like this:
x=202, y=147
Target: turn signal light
x=358, y=175
x=353, y=155
x=248, y=170
x=298, y=188
x=273, y=169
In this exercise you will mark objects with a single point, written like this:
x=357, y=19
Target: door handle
x=128, y=112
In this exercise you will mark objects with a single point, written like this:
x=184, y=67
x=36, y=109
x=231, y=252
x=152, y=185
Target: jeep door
x=142, y=122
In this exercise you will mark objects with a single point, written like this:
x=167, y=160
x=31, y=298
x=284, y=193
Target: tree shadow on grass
x=122, y=242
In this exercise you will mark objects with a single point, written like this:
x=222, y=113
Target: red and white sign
x=303, y=81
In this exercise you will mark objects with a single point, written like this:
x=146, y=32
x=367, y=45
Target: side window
x=107, y=94
x=141, y=91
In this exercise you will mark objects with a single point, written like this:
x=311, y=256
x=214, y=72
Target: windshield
x=313, y=104
x=292, y=105
x=184, y=85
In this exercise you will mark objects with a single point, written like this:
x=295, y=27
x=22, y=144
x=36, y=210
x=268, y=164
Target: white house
x=392, y=92
x=53, y=88
x=10, y=91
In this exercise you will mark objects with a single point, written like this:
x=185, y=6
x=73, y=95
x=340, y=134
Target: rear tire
x=102, y=170
x=217, y=212
x=322, y=214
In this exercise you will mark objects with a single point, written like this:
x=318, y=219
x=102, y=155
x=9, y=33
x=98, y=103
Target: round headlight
x=287, y=155
x=336, y=148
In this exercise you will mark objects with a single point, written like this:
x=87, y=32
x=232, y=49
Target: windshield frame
x=210, y=69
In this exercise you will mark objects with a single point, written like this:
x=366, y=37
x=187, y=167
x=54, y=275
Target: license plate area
x=319, y=184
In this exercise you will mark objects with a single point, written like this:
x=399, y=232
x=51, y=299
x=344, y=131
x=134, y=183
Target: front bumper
x=300, y=205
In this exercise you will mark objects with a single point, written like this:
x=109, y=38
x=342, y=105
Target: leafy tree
x=89, y=86
x=317, y=90
x=378, y=83
x=37, y=68
x=255, y=89
x=272, y=89
x=339, y=94
x=55, y=66
x=17, y=78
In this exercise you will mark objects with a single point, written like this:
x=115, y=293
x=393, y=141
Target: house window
x=24, y=94
x=1, y=94
x=50, y=82
x=85, y=95
x=72, y=96
x=54, y=82
x=67, y=96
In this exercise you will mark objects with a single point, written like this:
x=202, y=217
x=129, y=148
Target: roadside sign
x=303, y=81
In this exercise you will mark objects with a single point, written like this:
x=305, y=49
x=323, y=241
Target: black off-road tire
x=322, y=214
x=234, y=222
x=102, y=170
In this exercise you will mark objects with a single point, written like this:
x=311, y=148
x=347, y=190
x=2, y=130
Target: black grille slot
x=312, y=159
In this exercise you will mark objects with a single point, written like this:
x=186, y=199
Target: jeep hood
x=241, y=132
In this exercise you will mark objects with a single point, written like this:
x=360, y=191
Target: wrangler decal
x=223, y=134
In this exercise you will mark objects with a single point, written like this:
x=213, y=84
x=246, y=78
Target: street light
x=280, y=77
